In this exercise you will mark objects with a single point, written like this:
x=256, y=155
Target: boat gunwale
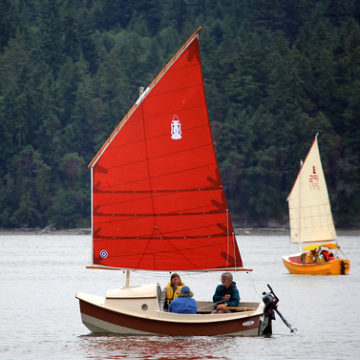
x=287, y=259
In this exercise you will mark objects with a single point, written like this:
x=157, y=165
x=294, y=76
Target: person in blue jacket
x=226, y=294
x=184, y=303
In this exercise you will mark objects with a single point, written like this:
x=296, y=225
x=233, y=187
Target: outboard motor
x=270, y=301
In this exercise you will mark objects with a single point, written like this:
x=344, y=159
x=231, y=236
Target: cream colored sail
x=309, y=206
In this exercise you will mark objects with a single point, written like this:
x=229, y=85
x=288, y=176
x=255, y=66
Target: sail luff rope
x=234, y=243
x=227, y=237
x=92, y=213
x=299, y=215
x=150, y=185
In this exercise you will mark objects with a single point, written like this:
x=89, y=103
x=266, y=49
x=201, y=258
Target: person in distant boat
x=226, y=295
x=307, y=257
x=184, y=303
x=316, y=254
x=172, y=290
x=328, y=255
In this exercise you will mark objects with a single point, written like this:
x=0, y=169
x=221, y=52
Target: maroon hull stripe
x=163, y=327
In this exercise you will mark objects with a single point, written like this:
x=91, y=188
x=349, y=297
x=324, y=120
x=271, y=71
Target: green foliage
x=68, y=208
x=275, y=74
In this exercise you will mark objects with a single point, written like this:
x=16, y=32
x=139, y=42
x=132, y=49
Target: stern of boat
x=340, y=267
x=269, y=305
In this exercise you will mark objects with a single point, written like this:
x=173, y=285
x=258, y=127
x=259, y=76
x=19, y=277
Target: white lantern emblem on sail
x=175, y=128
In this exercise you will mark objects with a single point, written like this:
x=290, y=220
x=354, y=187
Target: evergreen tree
x=52, y=29
x=275, y=74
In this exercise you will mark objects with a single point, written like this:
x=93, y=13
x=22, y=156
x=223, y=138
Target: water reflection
x=155, y=347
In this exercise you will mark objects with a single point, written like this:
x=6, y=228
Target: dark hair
x=174, y=275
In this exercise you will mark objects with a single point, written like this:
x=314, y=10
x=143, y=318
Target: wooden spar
x=102, y=267
x=94, y=160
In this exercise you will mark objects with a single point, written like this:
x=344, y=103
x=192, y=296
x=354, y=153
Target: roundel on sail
x=158, y=202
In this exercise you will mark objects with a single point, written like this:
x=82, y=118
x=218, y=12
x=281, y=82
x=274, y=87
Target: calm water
x=40, y=317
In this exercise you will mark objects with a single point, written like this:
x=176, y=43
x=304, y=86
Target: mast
x=300, y=179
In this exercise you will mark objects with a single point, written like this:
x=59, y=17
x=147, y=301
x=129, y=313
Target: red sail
x=158, y=201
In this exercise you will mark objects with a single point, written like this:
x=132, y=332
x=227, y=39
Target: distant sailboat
x=158, y=204
x=311, y=222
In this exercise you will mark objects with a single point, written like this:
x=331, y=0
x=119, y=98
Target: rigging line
x=156, y=228
x=176, y=250
x=253, y=282
x=147, y=158
x=153, y=253
x=227, y=237
x=299, y=201
x=211, y=305
x=150, y=184
x=342, y=252
x=165, y=273
x=234, y=245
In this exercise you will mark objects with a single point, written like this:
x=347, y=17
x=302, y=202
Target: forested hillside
x=276, y=73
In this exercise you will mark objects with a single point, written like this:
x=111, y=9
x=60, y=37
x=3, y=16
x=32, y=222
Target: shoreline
x=238, y=231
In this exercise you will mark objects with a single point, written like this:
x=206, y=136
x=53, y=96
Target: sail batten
x=309, y=206
x=157, y=197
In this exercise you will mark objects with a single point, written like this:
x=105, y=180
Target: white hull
x=136, y=311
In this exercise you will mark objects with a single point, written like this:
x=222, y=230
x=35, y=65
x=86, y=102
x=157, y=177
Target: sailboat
x=158, y=204
x=311, y=222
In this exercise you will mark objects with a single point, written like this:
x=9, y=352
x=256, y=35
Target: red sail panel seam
x=161, y=214
x=165, y=155
x=185, y=237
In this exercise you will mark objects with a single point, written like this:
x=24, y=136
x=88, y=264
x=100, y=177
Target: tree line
x=276, y=73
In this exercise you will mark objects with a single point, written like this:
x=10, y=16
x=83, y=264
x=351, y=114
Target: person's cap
x=185, y=290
